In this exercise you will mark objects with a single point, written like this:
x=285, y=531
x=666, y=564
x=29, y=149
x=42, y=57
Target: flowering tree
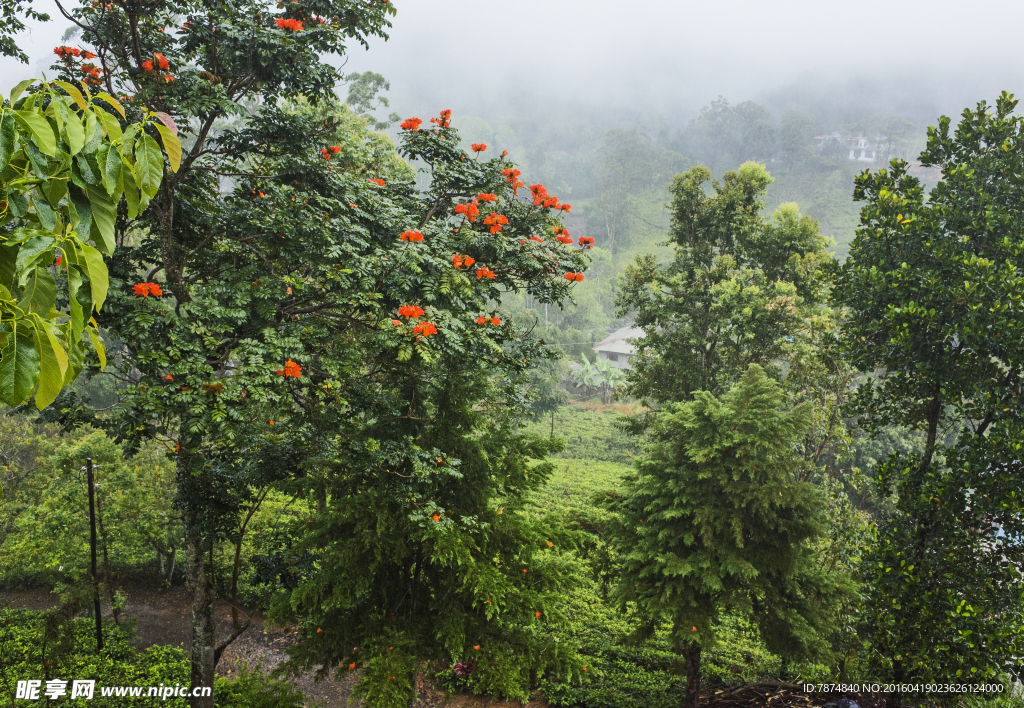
x=66, y=160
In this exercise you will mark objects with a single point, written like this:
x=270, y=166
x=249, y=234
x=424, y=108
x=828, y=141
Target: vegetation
x=316, y=385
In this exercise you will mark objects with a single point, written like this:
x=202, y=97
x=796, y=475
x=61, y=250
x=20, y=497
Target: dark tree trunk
x=691, y=656
x=894, y=699
x=203, y=627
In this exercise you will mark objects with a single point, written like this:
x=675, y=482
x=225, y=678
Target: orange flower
x=495, y=221
x=584, y=668
x=147, y=65
x=524, y=569
x=169, y=377
x=694, y=629
x=481, y=319
x=396, y=323
x=476, y=647
x=486, y=197
x=411, y=236
x=335, y=149
x=502, y=511
x=318, y=630
x=437, y=517
x=293, y=25
x=538, y=614
x=579, y=277
x=570, y=276
x=290, y=369
x=271, y=422
x=410, y=311
x=483, y=272
x=478, y=147
x=495, y=321
x=586, y=241
x=425, y=328
x=161, y=60
x=352, y=666
x=470, y=210
x=412, y=124
x=550, y=544
x=378, y=182
x=147, y=289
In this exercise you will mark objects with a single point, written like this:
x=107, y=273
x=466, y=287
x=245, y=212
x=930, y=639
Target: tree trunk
x=552, y=422
x=894, y=699
x=691, y=655
x=203, y=626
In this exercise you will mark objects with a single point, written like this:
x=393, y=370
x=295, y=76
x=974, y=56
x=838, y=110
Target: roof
x=620, y=341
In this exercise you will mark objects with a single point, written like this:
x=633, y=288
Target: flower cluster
x=495, y=221
x=444, y=121
x=470, y=210
x=293, y=25
x=460, y=261
x=478, y=147
x=425, y=328
x=411, y=236
x=562, y=235
x=290, y=369
x=485, y=197
x=147, y=289
x=328, y=151
x=578, y=277
x=410, y=312
x=485, y=320
x=411, y=124
x=512, y=177
x=92, y=73
x=587, y=241
x=484, y=272
x=543, y=199
x=380, y=183
x=66, y=52
x=161, y=63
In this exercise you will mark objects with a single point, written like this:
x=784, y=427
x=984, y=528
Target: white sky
x=667, y=53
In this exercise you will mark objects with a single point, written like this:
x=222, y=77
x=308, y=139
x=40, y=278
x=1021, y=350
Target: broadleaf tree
x=934, y=290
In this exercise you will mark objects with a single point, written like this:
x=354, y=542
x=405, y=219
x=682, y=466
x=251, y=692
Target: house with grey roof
x=618, y=347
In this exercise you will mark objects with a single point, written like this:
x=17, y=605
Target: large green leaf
x=75, y=132
x=172, y=146
x=17, y=90
x=97, y=342
x=112, y=101
x=41, y=130
x=8, y=139
x=53, y=365
x=83, y=209
x=76, y=294
x=75, y=94
x=39, y=293
x=110, y=123
x=32, y=249
x=149, y=164
x=19, y=366
x=104, y=213
x=8, y=258
x=97, y=270
x=47, y=216
x=110, y=159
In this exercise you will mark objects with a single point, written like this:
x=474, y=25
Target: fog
x=657, y=63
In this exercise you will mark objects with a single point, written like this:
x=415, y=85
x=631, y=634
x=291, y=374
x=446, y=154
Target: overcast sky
x=495, y=55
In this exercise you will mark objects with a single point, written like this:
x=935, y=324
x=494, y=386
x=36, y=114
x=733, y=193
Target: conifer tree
x=715, y=518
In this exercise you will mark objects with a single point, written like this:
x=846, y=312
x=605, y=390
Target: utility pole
x=92, y=544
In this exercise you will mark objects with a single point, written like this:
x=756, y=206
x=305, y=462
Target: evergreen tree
x=716, y=518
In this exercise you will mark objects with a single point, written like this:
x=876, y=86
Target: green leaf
x=17, y=90
x=131, y=195
x=110, y=160
x=47, y=216
x=37, y=160
x=19, y=204
x=97, y=342
x=8, y=258
x=110, y=123
x=75, y=132
x=53, y=365
x=172, y=146
x=104, y=213
x=97, y=269
x=78, y=308
x=8, y=139
x=86, y=170
x=40, y=292
x=83, y=209
x=75, y=94
x=149, y=165
x=19, y=366
x=31, y=250
x=113, y=102
x=42, y=131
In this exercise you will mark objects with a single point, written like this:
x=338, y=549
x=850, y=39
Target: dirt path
x=162, y=617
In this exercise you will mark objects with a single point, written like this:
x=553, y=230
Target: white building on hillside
x=617, y=348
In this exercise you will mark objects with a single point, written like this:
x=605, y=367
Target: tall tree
x=934, y=288
x=715, y=517
x=738, y=286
